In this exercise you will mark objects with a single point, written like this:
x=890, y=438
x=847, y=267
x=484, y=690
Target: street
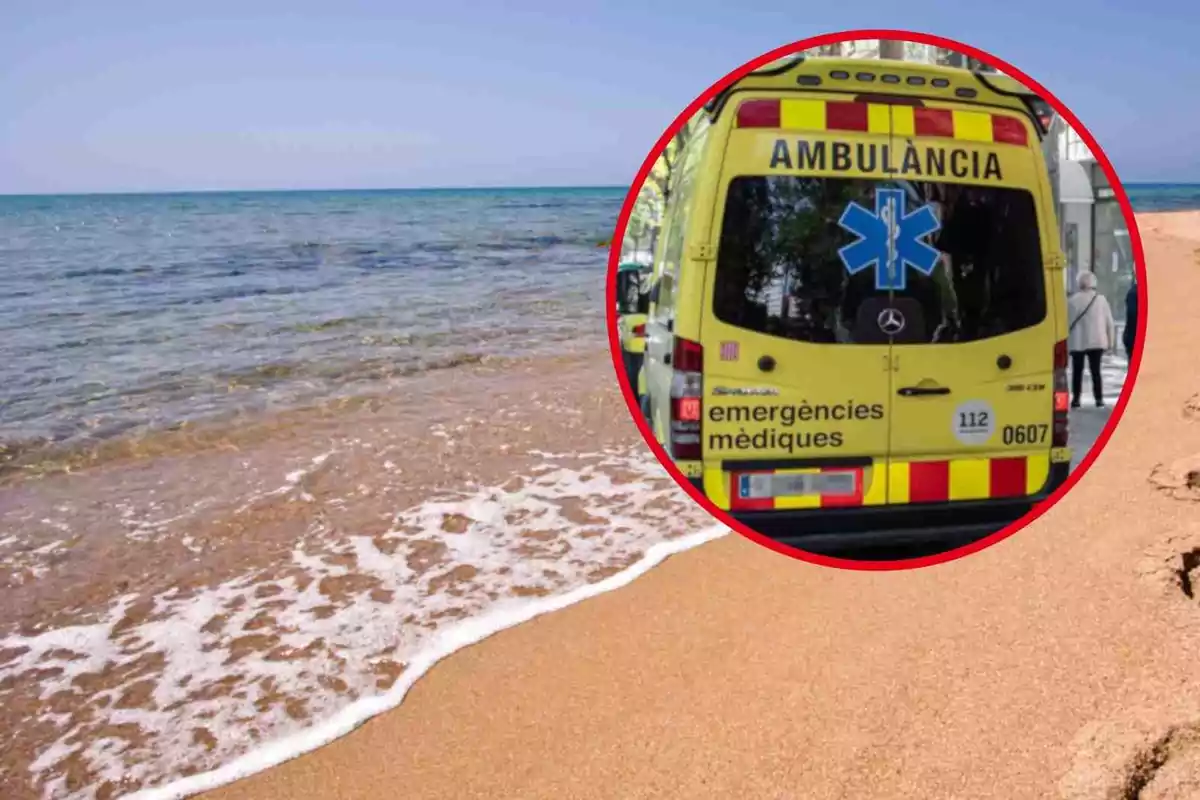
x=1087, y=421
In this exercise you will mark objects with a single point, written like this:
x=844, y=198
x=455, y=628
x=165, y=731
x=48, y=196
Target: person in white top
x=1092, y=334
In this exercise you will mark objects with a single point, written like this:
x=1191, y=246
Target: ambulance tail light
x=1062, y=397
x=687, y=385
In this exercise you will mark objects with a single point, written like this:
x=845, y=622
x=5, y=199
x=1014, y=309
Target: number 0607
x=1025, y=434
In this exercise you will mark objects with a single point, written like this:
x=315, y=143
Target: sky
x=151, y=96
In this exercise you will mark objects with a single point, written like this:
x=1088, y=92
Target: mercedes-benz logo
x=890, y=321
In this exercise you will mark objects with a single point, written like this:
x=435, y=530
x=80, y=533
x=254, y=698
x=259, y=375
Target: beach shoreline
x=335, y=499
x=219, y=592
x=1051, y=665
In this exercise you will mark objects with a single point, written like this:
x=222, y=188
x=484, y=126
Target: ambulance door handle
x=918, y=391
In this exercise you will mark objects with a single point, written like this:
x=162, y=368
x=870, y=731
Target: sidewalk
x=1088, y=422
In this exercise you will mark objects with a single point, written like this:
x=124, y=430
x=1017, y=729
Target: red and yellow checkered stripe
x=900, y=483
x=966, y=479
x=804, y=114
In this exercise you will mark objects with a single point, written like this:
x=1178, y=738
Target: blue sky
x=153, y=96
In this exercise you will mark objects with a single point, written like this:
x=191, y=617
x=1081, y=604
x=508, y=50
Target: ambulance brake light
x=687, y=400
x=1060, y=355
x=689, y=409
x=688, y=356
x=1062, y=400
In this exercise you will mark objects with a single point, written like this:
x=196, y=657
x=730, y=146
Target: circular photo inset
x=867, y=300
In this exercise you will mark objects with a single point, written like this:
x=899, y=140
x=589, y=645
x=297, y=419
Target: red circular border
x=660, y=452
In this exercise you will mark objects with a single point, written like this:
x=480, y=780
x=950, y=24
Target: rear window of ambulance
x=779, y=271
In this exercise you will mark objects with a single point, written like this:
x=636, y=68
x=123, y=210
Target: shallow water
x=121, y=313
x=1147, y=197
x=172, y=612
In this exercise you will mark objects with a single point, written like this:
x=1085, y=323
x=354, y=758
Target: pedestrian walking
x=1092, y=333
x=1129, y=335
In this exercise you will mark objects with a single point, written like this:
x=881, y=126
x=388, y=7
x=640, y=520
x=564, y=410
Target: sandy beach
x=232, y=586
x=1058, y=664
x=226, y=594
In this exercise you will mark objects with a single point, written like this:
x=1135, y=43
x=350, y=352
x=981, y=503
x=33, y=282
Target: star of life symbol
x=890, y=240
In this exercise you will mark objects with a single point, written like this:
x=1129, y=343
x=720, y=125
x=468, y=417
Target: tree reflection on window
x=779, y=272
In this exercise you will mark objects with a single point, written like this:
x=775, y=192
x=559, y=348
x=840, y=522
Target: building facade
x=1095, y=236
x=908, y=51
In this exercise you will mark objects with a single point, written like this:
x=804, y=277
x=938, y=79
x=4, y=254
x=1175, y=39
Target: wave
x=447, y=644
x=96, y=272
x=81, y=447
x=252, y=671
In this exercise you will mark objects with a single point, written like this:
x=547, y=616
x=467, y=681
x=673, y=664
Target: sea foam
x=205, y=686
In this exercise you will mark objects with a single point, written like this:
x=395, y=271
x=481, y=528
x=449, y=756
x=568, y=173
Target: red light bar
x=846, y=116
x=854, y=116
x=933, y=122
x=1008, y=130
x=758, y=114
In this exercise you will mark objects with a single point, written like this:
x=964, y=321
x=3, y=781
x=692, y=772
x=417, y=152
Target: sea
x=266, y=457
x=122, y=313
x=1149, y=197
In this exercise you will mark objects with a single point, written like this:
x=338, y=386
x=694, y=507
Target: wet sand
x=1058, y=664
x=173, y=601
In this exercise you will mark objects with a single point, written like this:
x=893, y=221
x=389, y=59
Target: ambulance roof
x=882, y=76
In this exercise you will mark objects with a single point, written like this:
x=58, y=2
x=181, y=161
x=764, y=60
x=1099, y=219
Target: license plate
x=823, y=483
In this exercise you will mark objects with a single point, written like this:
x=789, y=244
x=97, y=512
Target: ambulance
x=633, y=300
x=856, y=336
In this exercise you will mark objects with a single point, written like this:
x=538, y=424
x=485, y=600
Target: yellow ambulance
x=856, y=340
x=632, y=303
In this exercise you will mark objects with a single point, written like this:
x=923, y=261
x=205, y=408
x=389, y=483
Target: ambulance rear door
x=973, y=352
x=796, y=367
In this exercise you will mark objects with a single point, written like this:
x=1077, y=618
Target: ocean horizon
x=1140, y=185
x=368, y=190
x=1144, y=196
